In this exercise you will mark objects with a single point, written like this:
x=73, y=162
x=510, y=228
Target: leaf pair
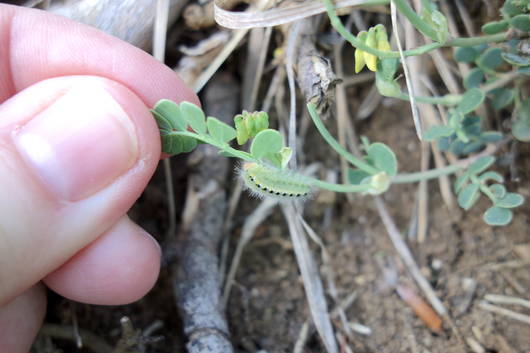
x=382, y=158
x=178, y=123
x=475, y=181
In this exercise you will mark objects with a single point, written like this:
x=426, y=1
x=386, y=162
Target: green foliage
x=521, y=124
x=221, y=132
x=495, y=27
x=382, y=158
x=170, y=118
x=466, y=54
x=474, y=182
x=265, y=143
x=502, y=97
x=474, y=78
x=521, y=22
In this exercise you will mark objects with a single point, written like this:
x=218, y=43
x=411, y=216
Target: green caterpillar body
x=266, y=181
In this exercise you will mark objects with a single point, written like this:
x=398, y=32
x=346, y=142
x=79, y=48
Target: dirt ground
x=268, y=307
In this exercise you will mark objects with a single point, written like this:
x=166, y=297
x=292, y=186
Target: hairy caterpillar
x=268, y=181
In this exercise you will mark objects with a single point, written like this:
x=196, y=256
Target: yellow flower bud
x=370, y=59
x=359, y=54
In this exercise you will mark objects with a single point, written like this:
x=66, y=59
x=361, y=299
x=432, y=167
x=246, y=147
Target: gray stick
x=197, y=284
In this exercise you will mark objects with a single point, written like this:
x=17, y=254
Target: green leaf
x=495, y=27
x=510, y=200
x=521, y=126
x=496, y=216
x=435, y=132
x=490, y=136
x=521, y=22
x=440, y=25
x=170, y=111
x=383, y=158
x=498, y=190
x=163, y=123
x=174, y=144
x=387, y=68
x=220, y=131
x=460, y=182
x=356, y=176
x=472, y=147
x=490, y=59
x=474, y=78
x=510, y=8
x=480, y=165
x=515, y=60
x=468, y=196
x=502, y=97
x=465, y=54
x=194, y=116
x=470, y=101
x=491, y=175
x=266, y=142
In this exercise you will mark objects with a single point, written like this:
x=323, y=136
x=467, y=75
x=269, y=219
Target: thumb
x=75, y=153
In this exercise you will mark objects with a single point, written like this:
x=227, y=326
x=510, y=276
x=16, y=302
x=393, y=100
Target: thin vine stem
x=223, y=147
x=416, y=20
x=455, y=42
x=426, y=175
x=447, y=100
x=335, y=144
x=340, y=187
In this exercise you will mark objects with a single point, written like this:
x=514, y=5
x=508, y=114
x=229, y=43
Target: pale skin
x=77, y=147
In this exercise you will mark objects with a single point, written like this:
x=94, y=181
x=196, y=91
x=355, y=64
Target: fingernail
x=80, y=143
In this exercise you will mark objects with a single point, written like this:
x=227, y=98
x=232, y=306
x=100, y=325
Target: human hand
x=77, y=147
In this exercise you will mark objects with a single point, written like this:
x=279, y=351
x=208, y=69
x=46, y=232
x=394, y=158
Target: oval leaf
x=436, y=132
x=266, y=142
x=480, y=165
x=383, y=158
x=170, y=111
x=502, y=97
x=521, y=22
x=220, y=131
x=515, y=60
x=491, y=175
x=510, y=200
x=468, y=196
x=470, y=101
x=466, y=54
x=497, y=216
x=194, y=116
x=495, y=27
x=174, y=144
x=491, y=58
x=490, y=136
x=474, y=78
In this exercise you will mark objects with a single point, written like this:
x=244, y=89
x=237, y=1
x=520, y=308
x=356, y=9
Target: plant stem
x=335, y=145
x=416, y=20
x=339, y=187
x=429, y=174
x=448, y=100
x=455, y=42
x=223, y=147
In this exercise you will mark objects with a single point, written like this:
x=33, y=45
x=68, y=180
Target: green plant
x=498, y=73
